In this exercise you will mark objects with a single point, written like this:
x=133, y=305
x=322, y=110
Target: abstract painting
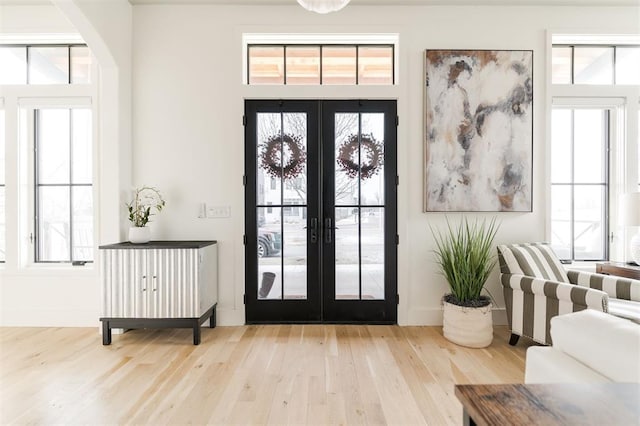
x=479, y=130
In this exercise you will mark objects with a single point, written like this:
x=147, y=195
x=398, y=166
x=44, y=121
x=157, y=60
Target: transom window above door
x=320, y=60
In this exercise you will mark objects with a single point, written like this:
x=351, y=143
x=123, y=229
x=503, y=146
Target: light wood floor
x=276, y=374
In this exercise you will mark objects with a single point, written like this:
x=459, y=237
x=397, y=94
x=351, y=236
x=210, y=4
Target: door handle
x=313, y=236
x=327, y=230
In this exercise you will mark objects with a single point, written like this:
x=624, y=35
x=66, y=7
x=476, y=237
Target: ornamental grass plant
x=465, y=256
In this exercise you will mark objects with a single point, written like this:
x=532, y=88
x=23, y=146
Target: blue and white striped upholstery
x=537, y=288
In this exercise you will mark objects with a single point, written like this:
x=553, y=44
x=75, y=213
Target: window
x=63, y=185
x=593, y=142
x=45, y=64
x=335, y=64
x=2, y=188
x=595, y=64
x=579, y=183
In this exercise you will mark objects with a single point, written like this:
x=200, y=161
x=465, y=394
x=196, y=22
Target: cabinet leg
x=106, y=333
x=212, y=319
x=196, y=332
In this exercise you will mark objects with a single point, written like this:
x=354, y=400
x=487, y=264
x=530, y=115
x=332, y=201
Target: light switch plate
x=217, y=212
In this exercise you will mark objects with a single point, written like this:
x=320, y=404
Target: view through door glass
x=320, y=211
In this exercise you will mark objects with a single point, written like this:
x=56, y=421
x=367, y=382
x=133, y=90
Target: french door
x=320, y=211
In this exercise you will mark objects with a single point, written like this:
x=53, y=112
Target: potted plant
x=465, y=256
x=145, y=199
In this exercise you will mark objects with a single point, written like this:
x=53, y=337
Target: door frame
x=320, y=300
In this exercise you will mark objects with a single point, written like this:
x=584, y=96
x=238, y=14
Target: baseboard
x=49, y=318
x=229, y=317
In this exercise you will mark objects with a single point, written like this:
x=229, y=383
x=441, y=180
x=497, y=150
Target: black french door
x=320, y=211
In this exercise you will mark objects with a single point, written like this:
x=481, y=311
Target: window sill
x=49, y=270
x=582, y=266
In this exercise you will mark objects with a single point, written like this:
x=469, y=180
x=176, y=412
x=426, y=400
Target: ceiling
x=413, y=2
x=373, y=2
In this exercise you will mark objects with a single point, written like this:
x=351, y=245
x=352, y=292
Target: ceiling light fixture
x=323, y=6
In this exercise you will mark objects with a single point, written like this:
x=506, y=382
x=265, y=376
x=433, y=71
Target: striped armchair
x=537, y=288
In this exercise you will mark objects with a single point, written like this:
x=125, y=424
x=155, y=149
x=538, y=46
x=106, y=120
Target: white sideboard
x=160, y=284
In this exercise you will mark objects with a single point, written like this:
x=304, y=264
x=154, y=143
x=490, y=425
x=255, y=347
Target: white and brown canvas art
x=479, y=125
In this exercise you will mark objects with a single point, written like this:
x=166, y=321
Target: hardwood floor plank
x=257, y=374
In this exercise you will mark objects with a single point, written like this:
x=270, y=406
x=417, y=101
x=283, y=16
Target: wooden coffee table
x=550, y=404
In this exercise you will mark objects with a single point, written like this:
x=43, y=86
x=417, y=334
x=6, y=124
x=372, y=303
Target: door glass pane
x=346, y=152
x=338, y=65
x=48, y=65
x=54, y=230
x=303, y=65
x=375, y=65
x=295, y=255
x=372, y=160
x=347, y=248
x=269, y=253
x=269, y=159
x=82, y=223
x=372, y=245
x=627, y=65
x=561, y=220
x=82, y=165
x=53, y=146
x=14, y=65
x=593, y=65
x=266, y=65
x=561, y=133
x=561, y=65
x=589, y=222
x=80, y=65
x=589, y=145
x=294, y=153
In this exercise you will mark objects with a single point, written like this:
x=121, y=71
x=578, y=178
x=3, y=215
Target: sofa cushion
x=549, y=365
x=533, y=260
x=603, y=342
x=629, y=309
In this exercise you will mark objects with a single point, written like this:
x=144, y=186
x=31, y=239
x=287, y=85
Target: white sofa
x=588, y=347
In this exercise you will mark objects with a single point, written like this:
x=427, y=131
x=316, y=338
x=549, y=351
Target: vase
x=139, y=234
x=466, y=326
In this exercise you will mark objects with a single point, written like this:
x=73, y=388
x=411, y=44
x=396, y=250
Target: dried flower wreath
x=293, y=156
x=371, y=156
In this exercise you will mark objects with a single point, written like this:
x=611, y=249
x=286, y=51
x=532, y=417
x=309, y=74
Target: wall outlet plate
x=217, y=212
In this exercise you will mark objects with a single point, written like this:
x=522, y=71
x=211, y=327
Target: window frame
x=29, y=46
x=27, y=223
x=321, y=46
x=609, y=151
x=34, y=122
x=573, y=50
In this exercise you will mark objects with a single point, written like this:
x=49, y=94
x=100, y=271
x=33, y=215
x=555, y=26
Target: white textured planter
x=139, y=235
x=471, y=327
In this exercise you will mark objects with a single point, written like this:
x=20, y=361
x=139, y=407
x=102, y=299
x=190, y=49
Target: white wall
x=62, y=295
x=188, y=105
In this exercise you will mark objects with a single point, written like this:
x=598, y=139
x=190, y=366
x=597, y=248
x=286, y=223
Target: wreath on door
x=371, y=156
x=283, y=156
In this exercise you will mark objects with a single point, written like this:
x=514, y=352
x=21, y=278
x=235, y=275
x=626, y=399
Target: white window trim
x=615, y=106
x=318, y=38
x=19, y=180
x=624, y=100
